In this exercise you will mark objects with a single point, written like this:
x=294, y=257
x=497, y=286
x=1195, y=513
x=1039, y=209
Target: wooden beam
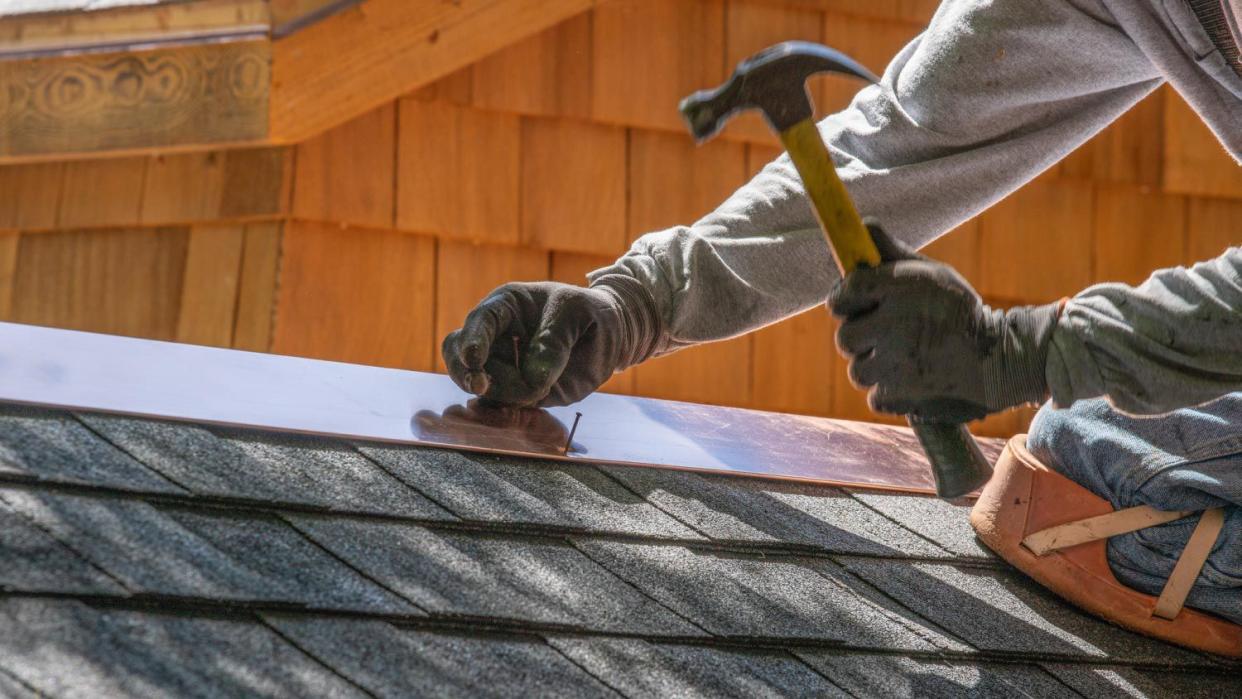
x=247, y=91
x=215, y=94
x=366, y=55
x=289, y=16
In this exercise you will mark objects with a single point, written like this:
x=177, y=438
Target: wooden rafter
x=200, y=75
x=361, y=58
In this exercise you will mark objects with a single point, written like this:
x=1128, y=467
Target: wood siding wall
x=370, y=242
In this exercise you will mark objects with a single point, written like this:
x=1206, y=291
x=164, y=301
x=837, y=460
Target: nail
x=572, y=431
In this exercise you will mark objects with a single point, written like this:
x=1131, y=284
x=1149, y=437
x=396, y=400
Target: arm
x=923, y=343
x=993, y=93
x=1173, y=341
x=988, y=97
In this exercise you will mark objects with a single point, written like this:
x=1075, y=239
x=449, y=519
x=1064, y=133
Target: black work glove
x=569, y=340
x=919, y=337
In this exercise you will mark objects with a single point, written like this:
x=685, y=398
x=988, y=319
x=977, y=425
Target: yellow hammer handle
x=958, y=465
x=847, y=236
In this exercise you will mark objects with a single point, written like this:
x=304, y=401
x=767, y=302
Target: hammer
x=774, y=82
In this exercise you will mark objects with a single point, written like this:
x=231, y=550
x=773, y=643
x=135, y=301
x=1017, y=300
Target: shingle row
x=66, y=648
x=115, y=546
x=430, y=484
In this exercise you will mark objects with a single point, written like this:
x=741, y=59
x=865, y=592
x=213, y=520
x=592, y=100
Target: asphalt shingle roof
x=139, y=557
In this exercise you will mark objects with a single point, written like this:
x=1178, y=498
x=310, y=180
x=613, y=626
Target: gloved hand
x=569, y=340
x=924, y=343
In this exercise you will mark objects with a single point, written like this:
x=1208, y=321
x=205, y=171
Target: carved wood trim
x=213, y=94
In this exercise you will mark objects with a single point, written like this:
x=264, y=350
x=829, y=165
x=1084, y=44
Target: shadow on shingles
x=989, y=609
x=941, y=681
x=123, y=653
x=513, y=473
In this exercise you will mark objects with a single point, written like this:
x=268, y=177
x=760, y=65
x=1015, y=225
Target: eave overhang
x=224, y=73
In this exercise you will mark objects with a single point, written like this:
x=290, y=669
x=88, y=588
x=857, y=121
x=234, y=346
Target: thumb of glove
x=891, y=249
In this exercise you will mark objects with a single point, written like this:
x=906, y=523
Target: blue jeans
x=1188, y=459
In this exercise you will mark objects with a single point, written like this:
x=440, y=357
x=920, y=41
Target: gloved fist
x=924, y=344
x=569, y=340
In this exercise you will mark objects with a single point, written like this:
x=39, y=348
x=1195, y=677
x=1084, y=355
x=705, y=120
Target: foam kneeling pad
x=1056, y=532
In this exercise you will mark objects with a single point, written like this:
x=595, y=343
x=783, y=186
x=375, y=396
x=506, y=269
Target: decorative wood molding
x=237, y=91
x=358, y=59
x=215, y=94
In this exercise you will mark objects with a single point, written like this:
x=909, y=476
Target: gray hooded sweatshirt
x=990, y=95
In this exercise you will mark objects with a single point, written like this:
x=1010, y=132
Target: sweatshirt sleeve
x=989, y=96
x=1173, y=341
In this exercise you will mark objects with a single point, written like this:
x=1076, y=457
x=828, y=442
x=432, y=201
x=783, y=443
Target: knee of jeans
x=1057, y=436
x=1044, y=429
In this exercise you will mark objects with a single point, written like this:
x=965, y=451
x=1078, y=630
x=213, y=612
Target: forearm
x=961, y=118
x=1174, y=341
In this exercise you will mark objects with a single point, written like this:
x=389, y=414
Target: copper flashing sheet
x=87, y=371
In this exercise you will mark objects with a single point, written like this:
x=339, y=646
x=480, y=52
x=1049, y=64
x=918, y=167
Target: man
x=992, y=94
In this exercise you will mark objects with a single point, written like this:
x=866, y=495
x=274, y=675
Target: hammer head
x=774, y=81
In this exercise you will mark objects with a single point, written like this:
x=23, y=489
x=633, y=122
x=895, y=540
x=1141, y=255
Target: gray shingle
x=275, y=552
x=542, y=581
x=896, y=677
x=1096, y=681
x=751, y=596
x=51, y=444
x=278, y=467
x=641, y=669
x=13, y=688
x=1003, y=611
x=64, y=648
x=30, y=560
x=395, y=662
x=529, y=491
x=749, y=509
x=946, y=523
x=202, y=555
